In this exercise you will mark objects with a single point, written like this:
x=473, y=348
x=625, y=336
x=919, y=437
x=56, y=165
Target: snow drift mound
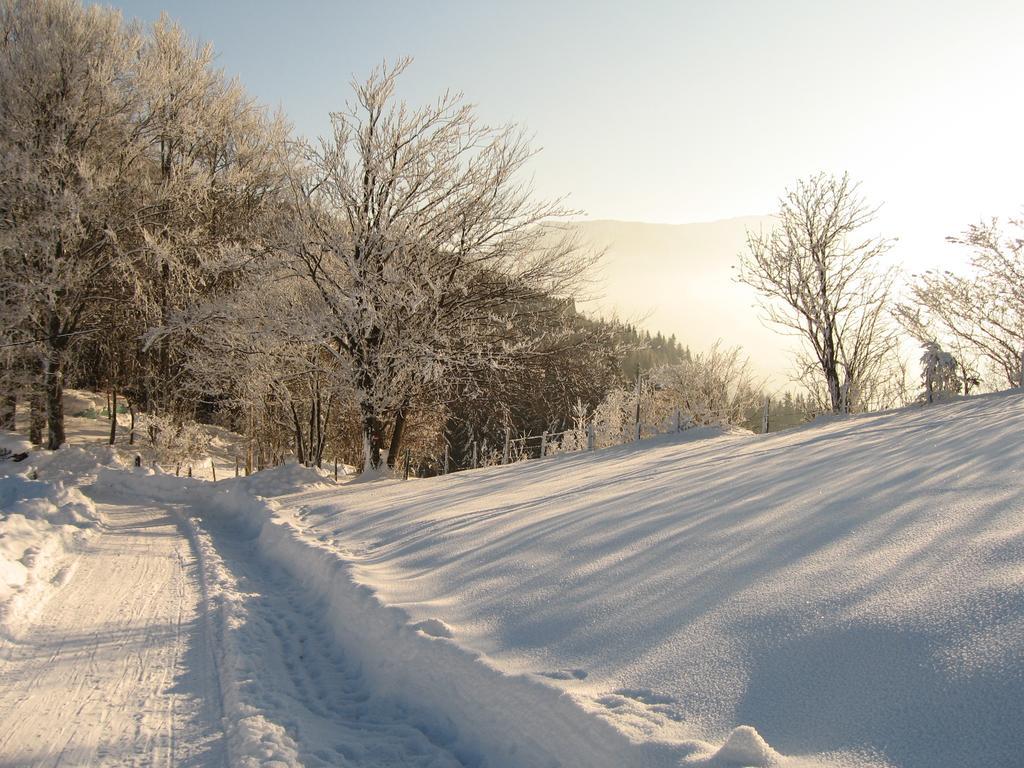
x=481, y=714
x=41, y=525
x=44, y=520
x=853, y=590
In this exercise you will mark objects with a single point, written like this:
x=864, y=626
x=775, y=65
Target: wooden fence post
x=474, y=455
x=445, y=459
x=765, y=423
x=508, y=440
x=236, y=465
x=407, y=459
x=544, y=444
x=591, y=436
x=638, y=390
x=213, y=469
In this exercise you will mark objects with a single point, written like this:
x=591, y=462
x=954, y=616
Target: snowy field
x=849, y=593
x=853, y=591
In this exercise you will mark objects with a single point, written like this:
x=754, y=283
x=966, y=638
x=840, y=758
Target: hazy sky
x=682, y=111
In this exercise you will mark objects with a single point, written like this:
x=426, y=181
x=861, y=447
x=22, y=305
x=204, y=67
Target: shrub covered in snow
x=172, y=442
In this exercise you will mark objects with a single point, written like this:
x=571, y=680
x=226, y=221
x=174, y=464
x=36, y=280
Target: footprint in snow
x=434, y=628
x=644, y=696
x=642, y=702
x=565, y=674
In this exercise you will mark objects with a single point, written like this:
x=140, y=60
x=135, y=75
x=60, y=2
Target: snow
x=45, y=519
x=115, y=667
x=846, y=594
x=290, y=692
x=854, y=591
x=744, y=746
x=42, y=524
x=292, y=696
x=88, y=429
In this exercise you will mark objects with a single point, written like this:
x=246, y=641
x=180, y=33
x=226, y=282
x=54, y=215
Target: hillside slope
x=681, y=279
x=853, y=590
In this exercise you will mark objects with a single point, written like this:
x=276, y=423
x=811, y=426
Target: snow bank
x=483, y=715
x=850, y=593
x=41, y=525
x=44, y=520
x=14, y=443
x=252, y=740
x=847, y=594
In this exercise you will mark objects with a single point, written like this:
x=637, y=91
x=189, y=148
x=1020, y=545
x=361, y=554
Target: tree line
x=163, y=237
x=394, y=286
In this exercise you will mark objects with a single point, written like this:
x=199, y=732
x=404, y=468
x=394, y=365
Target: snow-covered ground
x=45, y=520
x=115, y=666
x=854, y=590
x=850, y=593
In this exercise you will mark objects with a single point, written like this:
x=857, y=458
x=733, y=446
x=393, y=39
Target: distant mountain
x=680, y=278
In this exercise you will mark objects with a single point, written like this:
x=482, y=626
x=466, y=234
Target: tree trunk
x=53, y=382
x=373, y=433
x=37, y=416
x=322, y=442
x=163, y=349
x=53, y=385
x=835, y=394
x=8, y=408
x=300, y=446
x=314, y=424
x=113, y=414
x=9, y=400
x=396, y=437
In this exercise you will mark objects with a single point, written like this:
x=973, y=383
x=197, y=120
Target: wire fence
x=578, y=439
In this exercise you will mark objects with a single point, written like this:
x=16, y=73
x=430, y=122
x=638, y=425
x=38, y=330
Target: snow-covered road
x=116, y=669
x=149, y=648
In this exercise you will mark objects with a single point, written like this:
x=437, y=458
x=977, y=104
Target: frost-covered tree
x=426, y=249
x=939, y=373
x=262, y=347
x=716, y=387
x=172, y=442
x=915, y=319
x=68, y=152
x=217, y=163
x=820, y=279
x=133, y=176
x=979, y=314
x=577, y=436
x=541, y=393
x=614, y=418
